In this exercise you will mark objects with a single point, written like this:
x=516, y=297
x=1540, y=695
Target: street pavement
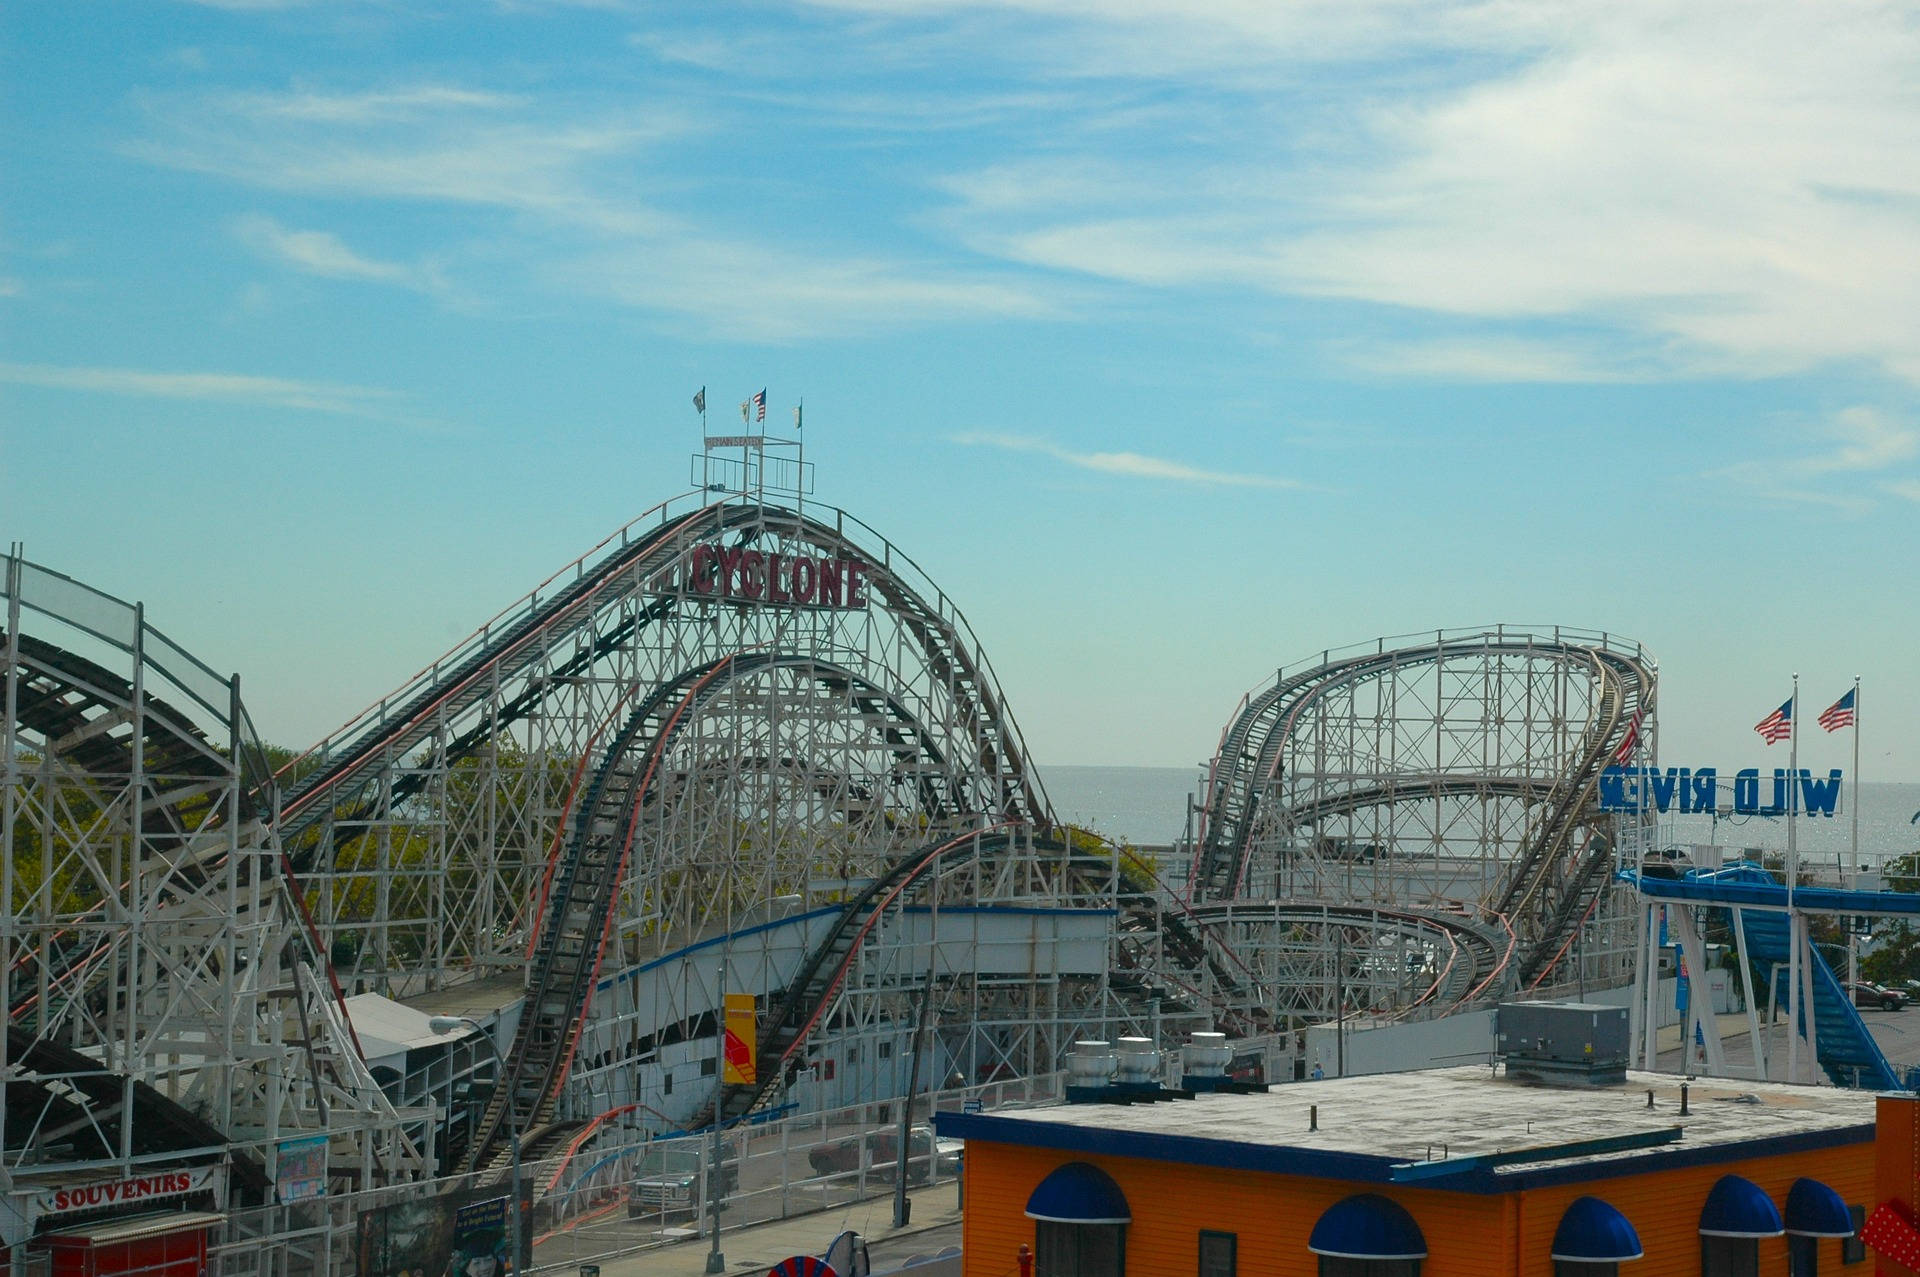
x=934, y=1225
x=1897, y=1032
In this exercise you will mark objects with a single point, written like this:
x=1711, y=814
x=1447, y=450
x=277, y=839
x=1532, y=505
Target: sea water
x=1148, y=805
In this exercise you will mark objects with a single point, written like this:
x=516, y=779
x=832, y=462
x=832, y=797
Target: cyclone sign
x=796, y=580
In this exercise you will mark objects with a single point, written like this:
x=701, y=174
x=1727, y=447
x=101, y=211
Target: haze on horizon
x=1175, y=341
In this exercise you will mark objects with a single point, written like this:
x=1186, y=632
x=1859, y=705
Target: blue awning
x=1078, y=1193
x=1738, y=1208
x=1814, y=1210
x=1593, y=1232
x=1367, y=1226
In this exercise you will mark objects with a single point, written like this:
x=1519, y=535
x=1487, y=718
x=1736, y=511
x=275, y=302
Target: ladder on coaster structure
x=807, y=996
x=1845, y=1048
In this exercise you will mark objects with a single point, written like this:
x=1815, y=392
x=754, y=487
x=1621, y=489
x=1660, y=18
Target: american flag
x=1839, y=714
x=1625, y=752
x=760, y=406
x=1778, y=725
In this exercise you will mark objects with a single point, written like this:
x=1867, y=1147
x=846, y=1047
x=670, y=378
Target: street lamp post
x=447, y=1024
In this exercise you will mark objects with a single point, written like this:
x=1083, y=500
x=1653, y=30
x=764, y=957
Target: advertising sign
x=459, y=1234
x=741, y=1045
x=140, y=1189
x=302, y=1173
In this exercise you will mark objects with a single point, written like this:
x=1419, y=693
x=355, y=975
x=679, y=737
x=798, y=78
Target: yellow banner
x=742, y=1043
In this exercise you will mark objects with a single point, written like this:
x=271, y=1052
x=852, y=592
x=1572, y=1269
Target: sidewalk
x=758, y=1247
x=1732, y=1023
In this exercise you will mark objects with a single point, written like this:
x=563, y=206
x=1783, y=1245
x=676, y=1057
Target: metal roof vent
x=1204, y=1060
x=1089, y=1070
x=1136, y=1063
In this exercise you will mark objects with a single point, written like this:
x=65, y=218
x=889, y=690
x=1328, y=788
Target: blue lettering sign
x=1818, y=796
x=1636, y=789
x=1704, y=782
x=1778, y=807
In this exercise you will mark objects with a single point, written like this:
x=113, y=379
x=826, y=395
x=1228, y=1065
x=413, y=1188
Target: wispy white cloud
x=323, y=253
x=1732, y=192
x=1503, y=359
x=1130, y=464
x=586, y=226
x=1855, y=442
x=429, y=143
x=414, y=102
x=10, y=287
x=781, y=294
x=218, y=387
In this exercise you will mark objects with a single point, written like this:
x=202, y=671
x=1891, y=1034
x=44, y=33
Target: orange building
x=1447, y=1173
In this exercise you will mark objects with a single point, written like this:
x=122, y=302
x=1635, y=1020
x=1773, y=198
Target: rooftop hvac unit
x=1583, y=1043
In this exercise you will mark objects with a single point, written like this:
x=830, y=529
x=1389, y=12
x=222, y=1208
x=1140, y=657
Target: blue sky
x=1175, y=340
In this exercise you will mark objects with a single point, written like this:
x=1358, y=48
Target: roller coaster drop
x=756, y=729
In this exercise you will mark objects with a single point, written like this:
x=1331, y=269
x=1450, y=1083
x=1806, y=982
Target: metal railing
x=624, y=1192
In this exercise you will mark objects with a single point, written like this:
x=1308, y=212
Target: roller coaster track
x=578, y=914
x=83, y=712
x=798, y=1010
x=1477, y=954
x=1251, y=755
x=81, y=1096
x=85, y=715
x=1156, y=926
x=336, y=770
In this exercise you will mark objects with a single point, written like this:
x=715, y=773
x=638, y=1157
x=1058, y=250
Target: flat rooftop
x=1463, y=1129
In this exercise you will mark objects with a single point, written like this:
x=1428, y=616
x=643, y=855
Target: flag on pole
x=700, y=399
x=1778, y=725
x=760, y=406
x=746, y=410
x=1625, y=752
x=1839, y=714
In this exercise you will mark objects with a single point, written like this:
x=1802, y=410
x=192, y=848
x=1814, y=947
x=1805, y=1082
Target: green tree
x=1896, y=943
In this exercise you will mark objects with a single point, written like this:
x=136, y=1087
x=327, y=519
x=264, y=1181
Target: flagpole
x=1853, y=857
x=1793, y=771
x=1796, y=942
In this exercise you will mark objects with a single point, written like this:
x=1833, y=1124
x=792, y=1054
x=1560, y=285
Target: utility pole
x=716, y=1182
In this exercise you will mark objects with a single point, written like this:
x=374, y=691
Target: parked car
x=668, y=1181
x=882, y=1156
x=1868, y=994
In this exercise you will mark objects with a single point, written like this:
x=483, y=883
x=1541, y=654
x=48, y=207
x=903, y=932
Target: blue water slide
x=1846, y=1050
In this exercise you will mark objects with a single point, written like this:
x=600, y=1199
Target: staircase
x=1846, y=1050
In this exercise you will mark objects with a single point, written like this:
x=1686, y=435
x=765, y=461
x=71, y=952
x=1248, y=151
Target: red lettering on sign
x=798, y=580
x=802, y=578
x=730, y=571
x=830, y=582
x=700, y=579
x=87, y=1196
